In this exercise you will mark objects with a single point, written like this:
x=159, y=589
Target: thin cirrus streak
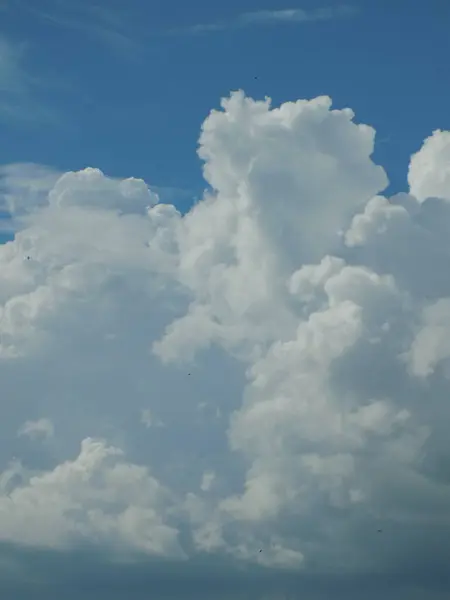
x=271, y=17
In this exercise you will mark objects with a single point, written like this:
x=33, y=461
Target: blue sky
x=126, y=88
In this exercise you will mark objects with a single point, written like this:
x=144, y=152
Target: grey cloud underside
x=248, y=399
x=87, y=574
x=83, y=576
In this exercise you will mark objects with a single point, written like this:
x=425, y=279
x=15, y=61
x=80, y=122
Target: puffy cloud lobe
x=89, y=188
x=239, y=246
x=431, y=345
x=429, y=170
x=301, y=154
x=313, y=312
x=97, y=495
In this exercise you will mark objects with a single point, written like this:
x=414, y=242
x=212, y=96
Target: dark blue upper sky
x=107, y=84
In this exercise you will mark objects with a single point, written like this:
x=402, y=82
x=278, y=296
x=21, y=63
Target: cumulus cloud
x=306, y=314
x=97, y=495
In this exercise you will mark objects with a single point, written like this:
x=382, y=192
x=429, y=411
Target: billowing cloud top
x=261, y=381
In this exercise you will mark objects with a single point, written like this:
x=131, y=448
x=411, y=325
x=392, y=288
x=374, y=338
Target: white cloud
x=429, y=170
x=36, y=429
x=97, y=495
x=325, y=355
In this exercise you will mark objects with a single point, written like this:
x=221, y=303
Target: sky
x=224, y=300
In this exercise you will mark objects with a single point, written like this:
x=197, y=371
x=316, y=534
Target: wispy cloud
x=272, y=17
x=18, y=85
x=297, y=15
x=13, y=77
x=105, y=25
x=24, y=89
